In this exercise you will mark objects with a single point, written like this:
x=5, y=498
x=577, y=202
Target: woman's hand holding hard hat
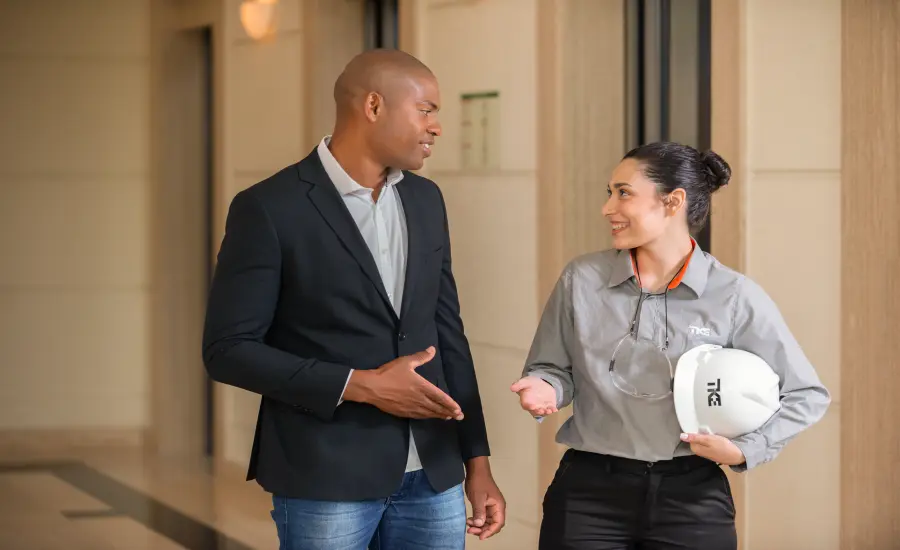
x=536, y=396
x=715, y=447
x=724, y=391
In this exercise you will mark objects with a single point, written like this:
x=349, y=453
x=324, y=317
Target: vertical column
x=406, y=25
x=179, y=227
x=334, y=33
x=790, y=187
x=728, y=239
x=581, y=138
x=870, y=299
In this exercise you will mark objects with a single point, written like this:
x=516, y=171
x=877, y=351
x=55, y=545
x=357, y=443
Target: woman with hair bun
x=614, y=326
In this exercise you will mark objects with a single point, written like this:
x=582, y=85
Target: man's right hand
x=396, y=388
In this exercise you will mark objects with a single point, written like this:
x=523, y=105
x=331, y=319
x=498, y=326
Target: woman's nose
x=607, y=209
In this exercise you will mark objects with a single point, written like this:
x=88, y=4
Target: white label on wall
x=480, y=131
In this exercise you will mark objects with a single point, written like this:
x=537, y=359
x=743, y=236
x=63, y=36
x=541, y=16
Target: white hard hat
x=724, y=391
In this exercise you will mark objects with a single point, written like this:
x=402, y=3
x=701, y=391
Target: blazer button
x=402, y=336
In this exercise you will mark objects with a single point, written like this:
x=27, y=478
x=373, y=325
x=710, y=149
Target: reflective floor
x=118, y=499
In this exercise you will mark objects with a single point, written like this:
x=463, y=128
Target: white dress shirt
x=382, y=224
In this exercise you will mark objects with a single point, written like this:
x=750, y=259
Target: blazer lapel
x=325, y=197
x=414, y=228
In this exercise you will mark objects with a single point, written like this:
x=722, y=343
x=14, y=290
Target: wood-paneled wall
x=870, y=299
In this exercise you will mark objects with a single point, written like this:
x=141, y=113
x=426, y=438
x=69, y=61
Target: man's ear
x=374, y=106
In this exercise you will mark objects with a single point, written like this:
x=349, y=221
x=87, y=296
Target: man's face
x=406, y=125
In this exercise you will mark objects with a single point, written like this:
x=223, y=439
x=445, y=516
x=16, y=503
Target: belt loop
x=607, y=465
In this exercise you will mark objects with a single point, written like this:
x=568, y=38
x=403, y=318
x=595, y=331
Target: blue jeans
x=413, y=518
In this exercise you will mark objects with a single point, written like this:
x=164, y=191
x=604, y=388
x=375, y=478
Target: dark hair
x=674, y=166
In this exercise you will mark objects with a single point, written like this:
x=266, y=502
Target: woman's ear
x=675, y=201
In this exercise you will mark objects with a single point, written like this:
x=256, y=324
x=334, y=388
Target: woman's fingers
x=532, y=399
x=540, y=409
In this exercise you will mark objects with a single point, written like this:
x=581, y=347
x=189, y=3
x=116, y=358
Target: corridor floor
x=118, y=499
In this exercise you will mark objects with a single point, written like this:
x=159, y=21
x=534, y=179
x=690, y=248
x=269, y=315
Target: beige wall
x=790, y=185
x=73, y=220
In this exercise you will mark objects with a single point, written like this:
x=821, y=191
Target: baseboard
x=43, y=441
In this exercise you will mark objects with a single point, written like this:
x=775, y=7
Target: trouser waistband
x=680, y=464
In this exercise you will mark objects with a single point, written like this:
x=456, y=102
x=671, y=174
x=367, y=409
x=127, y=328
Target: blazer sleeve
x=459, y=369
x=241, y=305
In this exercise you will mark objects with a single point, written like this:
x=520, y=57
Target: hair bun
x=718, y=169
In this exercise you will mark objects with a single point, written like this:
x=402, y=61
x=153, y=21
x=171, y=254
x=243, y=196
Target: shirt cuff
x=341, y=399
x=753, y=446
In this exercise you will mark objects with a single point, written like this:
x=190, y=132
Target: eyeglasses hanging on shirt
x=644, y=360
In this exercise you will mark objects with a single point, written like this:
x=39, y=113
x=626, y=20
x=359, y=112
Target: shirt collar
x=341, y=179
x=694, y=274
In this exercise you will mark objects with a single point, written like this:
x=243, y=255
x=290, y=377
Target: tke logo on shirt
x=699, y=331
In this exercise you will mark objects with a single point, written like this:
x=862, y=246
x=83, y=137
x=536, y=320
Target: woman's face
x=635, y=210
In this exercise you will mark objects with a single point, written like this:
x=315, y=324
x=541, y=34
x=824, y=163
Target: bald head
x=384, y=72
x=387, y=104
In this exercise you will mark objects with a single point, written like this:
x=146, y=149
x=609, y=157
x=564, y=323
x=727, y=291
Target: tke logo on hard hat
x=714, y=399
x=726, y=391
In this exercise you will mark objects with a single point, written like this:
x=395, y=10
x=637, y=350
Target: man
x=334, y=299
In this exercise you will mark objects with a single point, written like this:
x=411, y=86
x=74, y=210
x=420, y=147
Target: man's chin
x=413, y=165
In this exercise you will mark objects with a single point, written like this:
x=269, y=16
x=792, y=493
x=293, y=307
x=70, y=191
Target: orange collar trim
x=678, y=277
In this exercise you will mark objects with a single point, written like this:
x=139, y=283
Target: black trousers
x=599, y=502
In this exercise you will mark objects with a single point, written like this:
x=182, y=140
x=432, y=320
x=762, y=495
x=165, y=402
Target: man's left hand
x=488, y=504
x=715, y=447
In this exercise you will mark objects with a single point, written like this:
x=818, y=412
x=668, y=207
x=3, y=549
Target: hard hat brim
x=683, y=387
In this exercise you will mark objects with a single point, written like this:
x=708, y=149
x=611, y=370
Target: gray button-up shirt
x=590, y=311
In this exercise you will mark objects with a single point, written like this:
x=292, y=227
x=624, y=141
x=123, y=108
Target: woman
x=615, y=323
